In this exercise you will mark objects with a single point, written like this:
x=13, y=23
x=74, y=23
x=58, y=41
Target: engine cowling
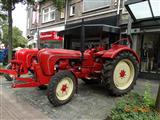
x=25, y=55
x=49, y=57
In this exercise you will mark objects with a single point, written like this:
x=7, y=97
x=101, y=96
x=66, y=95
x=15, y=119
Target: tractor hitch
x=12, y=72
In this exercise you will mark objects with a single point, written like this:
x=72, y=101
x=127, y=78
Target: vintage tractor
x=114, y=64
x=22, y=62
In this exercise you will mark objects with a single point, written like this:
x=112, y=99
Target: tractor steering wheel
x=90, y=46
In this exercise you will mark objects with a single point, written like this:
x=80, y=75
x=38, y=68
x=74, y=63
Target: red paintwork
x=115, y=50
x=50, y=35
x=64, y=88
x=23, y=60
x=52, y=60
x=12, y=72
x=122, y=73
x=49, y=57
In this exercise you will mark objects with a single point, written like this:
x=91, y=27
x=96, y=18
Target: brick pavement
x=13, y=108
x=91, y=102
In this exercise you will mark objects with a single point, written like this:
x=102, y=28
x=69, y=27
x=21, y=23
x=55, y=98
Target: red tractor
x=22, y=62
x=115, y=65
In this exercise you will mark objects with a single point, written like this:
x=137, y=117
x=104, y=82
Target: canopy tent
x=90, y=30
x=74, y=37
x=141, y=10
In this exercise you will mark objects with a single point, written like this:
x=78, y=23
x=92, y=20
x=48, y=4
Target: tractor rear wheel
x=61, y=88
x=7, y=76
x=120, y=74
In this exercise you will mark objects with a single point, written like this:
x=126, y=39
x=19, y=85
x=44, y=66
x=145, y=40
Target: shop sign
x=50, y=35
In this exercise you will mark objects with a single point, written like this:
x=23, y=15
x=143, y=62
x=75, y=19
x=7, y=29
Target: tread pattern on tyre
x=51, y=92
x=108, y=69
x=8, y=78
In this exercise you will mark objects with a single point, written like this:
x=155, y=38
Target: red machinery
x=116, y=67
x=22, y=63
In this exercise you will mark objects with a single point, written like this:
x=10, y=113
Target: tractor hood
x=25, y=55
x=49, y=57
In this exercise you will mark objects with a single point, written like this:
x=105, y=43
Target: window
x=62, y=14
x=48, y=14
x=72, y=10
x=89, y=5
x=124, y=10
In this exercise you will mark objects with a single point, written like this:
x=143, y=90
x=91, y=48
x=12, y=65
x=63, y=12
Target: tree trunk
x=10, y=29
x=158, y=100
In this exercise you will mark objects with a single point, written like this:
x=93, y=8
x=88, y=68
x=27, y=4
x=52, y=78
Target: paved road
x=91, y=102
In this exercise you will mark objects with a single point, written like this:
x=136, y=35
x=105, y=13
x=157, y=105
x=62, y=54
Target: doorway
x=150, y=53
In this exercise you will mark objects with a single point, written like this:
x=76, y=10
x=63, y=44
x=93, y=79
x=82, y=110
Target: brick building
x=110, y=12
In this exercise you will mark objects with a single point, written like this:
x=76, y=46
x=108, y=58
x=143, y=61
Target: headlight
x=56, y=67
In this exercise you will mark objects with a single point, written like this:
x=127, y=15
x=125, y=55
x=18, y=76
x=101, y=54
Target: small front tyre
x=61, y=88
x=7, y=76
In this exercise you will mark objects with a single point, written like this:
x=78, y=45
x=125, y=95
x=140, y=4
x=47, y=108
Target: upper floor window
x=62, y=14
x=124, y=10
x=48, y=14
x=72, y=10
x=89, y=5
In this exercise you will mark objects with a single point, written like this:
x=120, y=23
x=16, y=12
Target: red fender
x=116, y=49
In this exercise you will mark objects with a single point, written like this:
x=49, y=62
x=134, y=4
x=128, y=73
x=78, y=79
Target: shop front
x=150, y=53
x=146, y=19
x=49, y=39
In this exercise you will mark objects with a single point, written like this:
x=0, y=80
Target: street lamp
x=143, y=9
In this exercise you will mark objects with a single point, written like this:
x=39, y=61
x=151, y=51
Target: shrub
x=135, y=107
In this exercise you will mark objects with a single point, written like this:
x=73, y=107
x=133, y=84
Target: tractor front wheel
x=7, y=76
x=61, y=88
x=120, y=74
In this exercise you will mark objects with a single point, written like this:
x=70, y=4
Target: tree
x=9, y=5
x=59, y=4
x=18, y=39
x=158, y=100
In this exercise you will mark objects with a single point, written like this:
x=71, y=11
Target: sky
x=20, y=17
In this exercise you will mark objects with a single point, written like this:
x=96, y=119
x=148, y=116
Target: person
x=150, y=60
x=144, y=56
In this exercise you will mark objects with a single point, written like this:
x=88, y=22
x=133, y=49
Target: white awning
x=56, y=29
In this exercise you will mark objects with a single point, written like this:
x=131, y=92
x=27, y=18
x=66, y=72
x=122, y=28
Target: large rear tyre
x=7, y=76
x=61, y=88
x=120, y=74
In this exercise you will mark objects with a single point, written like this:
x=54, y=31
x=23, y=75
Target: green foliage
x=3, y=17
x=134, y=107
x=13, y=2
x=59, y=4
x=18, y=39
x=148, y=98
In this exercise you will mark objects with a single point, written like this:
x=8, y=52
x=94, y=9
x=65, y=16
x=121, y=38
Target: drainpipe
x=118, y=11
x=65, y=20
x=66, y=11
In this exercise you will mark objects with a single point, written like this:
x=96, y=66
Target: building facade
x=145, y=35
